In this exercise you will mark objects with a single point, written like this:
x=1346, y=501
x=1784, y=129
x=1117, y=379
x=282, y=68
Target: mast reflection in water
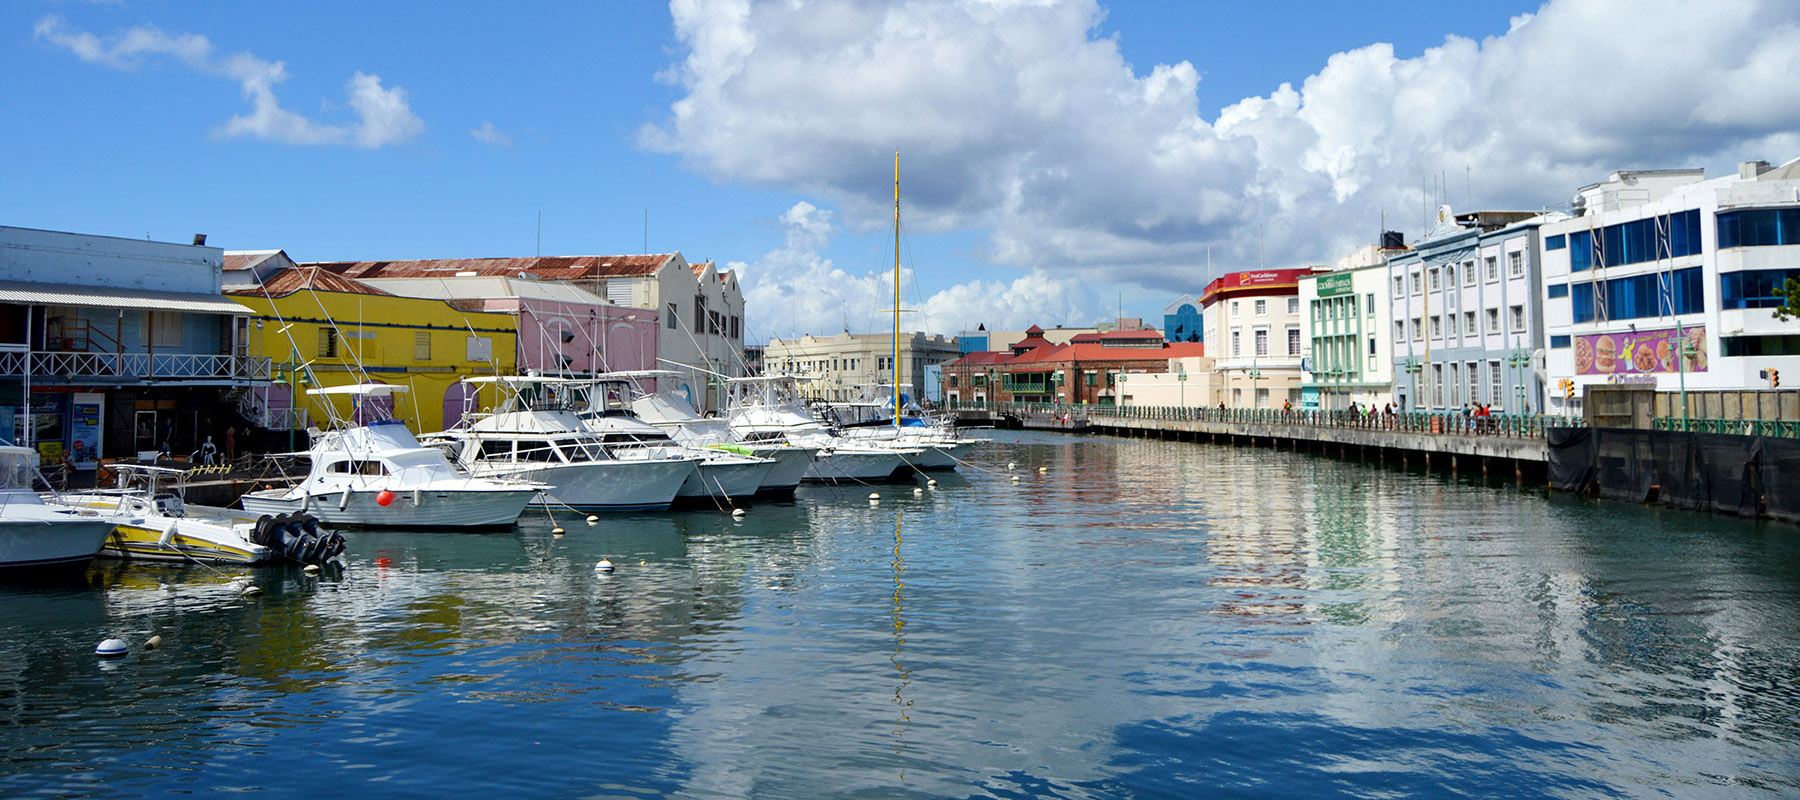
x=1144, y=619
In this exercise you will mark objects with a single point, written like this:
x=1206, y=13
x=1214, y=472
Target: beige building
x=848, y=362
x=1189, y=382
x=1253, y=333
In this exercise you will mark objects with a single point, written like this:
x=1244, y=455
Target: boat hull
x=608, y=485
x=791, y=464
x=734, y=480
x=856, y=465
x=134, y=542
x=32, y=549
x=433, y=508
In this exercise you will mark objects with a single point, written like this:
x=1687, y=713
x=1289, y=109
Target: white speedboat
x=873, y=421
x=39, y=540
x=154, y=522
x=607, y=406
x=531, y=441
x=378, y=475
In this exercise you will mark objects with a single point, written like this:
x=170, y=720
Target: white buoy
x=556, y=531
x=1011, y=464
x=1042, y=470
x=1015, y=479
x=605, y=565
x=310, y=569
x=251, y=590
x=931, y=481
x=111, y=648
x=917, y=491
x=737, y=513
x=593, y=520
x=874, y=495
x=153, y=642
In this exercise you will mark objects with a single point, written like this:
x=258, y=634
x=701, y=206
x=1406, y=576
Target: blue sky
x=1057, y=158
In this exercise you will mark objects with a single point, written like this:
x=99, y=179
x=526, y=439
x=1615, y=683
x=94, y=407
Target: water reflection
x=1141, y=618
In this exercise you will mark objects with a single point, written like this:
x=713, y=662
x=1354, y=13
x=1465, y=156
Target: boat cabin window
x=356, y=467
x=537, y=450
x=497, y=449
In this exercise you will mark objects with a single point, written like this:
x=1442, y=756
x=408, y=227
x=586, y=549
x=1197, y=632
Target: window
x=736, y=332
x=1399, y=285
x=1637, y=241
x=1753, y=288
x=1087, y=376
x=1262, y=341
x=1515, y=264
x=1371, y=346
x=1293, y=306
x=1437, y=329
x=1468, y=273
x=1236, y=350
x=1473, y=370
x=1493, y=320
x=1435, y=280
x=1556, y=242
x=421, y=345
x=328, y=343
x=1455, y=384
x=1760, y=227
x=1415, y=282
x=1234, y=308
x=670, y=317
x=1493, y=268
x=1469, y=324
x=1399, y=331
x=1518, y=318
x=1495, y=384
x=1559, y=341
x=1370, y=300
x=165, y=329
x=478, y=349
x=699, y=314
x=1417, y=329
x=1437, y=384
x=1293, y=336
x=1449, y=275
x=1638, y=296
x=1262, y=308
x=1558, y=290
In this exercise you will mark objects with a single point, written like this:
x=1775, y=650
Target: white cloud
x=383, y=115
x=489, y=135
x=794, y=290
x=1014, y=119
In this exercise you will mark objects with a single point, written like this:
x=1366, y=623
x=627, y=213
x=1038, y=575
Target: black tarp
x=1743, y=475
x=1571, y=462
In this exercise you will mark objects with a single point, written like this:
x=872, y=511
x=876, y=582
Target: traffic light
x=1568, y=387
x=1774, y=379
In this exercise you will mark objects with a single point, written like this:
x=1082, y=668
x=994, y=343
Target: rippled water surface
x=1141, y=619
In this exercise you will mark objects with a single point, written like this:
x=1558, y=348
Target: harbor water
x=1137, y=619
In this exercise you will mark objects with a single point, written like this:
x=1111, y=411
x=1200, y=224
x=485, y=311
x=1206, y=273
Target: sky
x=1061, y=161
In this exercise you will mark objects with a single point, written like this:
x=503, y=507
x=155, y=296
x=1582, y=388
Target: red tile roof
x=544, y=267
x=289, y=281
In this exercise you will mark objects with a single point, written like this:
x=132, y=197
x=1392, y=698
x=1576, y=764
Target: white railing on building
x=16, y=361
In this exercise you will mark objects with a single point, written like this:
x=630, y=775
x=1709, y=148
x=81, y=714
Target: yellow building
x=312, y=322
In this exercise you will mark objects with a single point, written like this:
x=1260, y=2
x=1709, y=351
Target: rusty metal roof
x=541, y=267
x=289, y=281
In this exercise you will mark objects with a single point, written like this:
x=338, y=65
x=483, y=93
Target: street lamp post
x=1413, y=367
x=1255, y=374
x=1181, y=381
x=1519, y=359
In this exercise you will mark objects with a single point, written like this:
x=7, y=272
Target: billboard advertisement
x=1639, y=352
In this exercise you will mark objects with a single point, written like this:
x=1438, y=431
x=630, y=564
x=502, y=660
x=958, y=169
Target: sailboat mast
x=896, y=361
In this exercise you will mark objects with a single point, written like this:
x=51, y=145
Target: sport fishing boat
x=378, y=475
x=604, y=405
x=38, y=540
x=673, y=415
x=769, y=409
x=155, y=523
x=537, y=437
x=874, y=420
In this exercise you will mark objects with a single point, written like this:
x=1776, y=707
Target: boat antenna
x=895, y=364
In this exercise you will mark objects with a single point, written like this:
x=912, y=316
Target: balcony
x=16, y=362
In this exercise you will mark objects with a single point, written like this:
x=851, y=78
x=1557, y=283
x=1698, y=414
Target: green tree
x=1790, y=300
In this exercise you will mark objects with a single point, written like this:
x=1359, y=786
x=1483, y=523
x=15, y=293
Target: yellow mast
x=896, y=364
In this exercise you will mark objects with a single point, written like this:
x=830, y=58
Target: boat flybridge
x=37, y=539
x=536, y=435
x=156, y=523
x=768, y=408
x=674, y=415
x=378, y=475
x=871, y=419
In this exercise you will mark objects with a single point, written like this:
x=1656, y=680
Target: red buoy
x=384, y=497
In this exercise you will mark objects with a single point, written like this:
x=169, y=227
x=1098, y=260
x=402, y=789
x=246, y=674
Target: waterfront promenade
x=1450, y=437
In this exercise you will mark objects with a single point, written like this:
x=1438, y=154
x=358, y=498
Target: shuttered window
x=422, y=345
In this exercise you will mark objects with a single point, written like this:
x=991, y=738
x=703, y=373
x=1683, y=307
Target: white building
x=1253, y=333
x=1655, y=259
x=847, y=366
x=1348, y=339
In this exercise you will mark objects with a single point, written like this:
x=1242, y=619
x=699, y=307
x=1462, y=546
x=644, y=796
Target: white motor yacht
x=39, y=540
x=768, y=409
x=378, y=475
x=534, y=437
x=673, y=415
x=155, y=522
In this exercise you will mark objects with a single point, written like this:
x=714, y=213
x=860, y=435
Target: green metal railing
x=1515, y=426
x=1736, y=427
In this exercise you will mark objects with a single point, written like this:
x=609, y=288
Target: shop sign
x=1329, y=285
